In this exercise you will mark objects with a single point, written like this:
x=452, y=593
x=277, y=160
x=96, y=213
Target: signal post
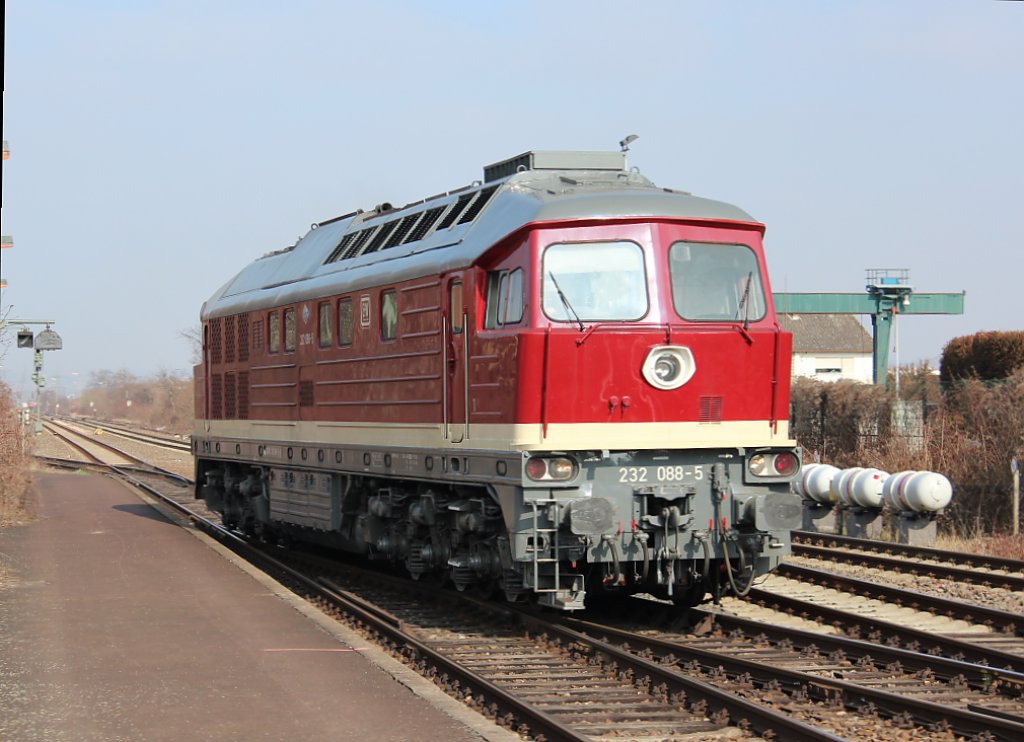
x=46, y=340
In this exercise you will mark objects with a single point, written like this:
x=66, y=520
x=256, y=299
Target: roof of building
x=826, y=333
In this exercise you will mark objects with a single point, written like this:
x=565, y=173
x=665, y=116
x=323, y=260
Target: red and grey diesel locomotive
x=563, y=379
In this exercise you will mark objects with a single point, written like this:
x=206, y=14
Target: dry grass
x=1007, y=546
x=15, y=465
x=15, y=473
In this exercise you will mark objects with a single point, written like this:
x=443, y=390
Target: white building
x=829, y=347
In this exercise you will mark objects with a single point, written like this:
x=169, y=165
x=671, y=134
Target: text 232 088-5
x=641, y=474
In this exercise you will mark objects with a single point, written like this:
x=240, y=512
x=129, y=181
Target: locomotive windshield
x=714, y=282
x=594, y=281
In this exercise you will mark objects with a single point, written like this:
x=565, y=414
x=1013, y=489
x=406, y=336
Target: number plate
x=660, y=474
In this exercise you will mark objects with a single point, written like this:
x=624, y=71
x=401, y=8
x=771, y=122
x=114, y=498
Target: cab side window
x=326, y=334
x=455, y=304
x=274, y=323
x=504, y=298
x=289, y=330
x=345, y=322
x=389, y=315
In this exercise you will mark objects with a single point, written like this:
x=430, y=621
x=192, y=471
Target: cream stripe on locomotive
x=522, y=437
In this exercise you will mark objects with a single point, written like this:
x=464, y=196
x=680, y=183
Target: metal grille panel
x=711, y=409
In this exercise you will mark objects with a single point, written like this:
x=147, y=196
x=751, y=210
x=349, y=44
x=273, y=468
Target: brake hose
x=615, y=558
x=743, y=567
x=641, y=538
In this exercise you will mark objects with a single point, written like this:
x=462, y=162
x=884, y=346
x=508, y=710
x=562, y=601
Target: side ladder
x=540, y=537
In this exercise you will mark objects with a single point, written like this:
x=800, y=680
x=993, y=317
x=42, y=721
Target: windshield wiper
x=570, y=312
x=745, y=302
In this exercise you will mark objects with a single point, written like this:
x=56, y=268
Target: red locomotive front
x=564, y=380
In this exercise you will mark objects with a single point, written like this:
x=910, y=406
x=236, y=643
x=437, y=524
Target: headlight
x=554, y=469
x=781, y=464
x=669, y=366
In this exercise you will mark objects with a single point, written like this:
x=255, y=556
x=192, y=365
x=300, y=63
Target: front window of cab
x=594, y=281
x=715, y=282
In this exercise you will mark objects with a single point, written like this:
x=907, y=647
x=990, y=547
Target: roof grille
x=451, y=216
x=402, y=230
x=424, y=224
x=337, y=252
x=385, y=231
x=362, y=236
x=478, y=205
x=411, y=227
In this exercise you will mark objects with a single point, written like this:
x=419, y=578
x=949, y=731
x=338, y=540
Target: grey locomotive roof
x=452, y=230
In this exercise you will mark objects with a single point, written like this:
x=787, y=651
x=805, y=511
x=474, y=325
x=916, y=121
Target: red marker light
x=536, y=469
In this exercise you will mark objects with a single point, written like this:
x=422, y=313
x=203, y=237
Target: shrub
x=984, y=355
x=15, y=462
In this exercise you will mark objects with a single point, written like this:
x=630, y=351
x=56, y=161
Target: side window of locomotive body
x=345, y=322
x=274, y=323
x=594, y=281
x=455, y=307
x=324, y=321
x=389, y=315
x=716, y=282
x=504, y=298
x=289, y=330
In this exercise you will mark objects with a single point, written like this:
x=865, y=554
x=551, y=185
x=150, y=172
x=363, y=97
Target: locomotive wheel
x=511, y=583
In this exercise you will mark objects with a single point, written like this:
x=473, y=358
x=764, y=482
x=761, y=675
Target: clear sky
x=159, y=146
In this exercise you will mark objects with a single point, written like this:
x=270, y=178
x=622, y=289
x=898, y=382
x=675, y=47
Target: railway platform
x=118, y=624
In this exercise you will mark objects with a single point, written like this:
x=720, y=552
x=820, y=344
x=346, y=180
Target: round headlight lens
x=758, y=464
x=666, y=368
x=669, y=366
x=560, y=469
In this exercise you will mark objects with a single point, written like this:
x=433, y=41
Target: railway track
x=152, y=438
x=569, y=679
x=859, y=617
x=874, y=712
x=96, y=452
x=1007, y=574
x=921, y=554
x=935, y=696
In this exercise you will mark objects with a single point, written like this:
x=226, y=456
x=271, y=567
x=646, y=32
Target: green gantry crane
x=888, y=293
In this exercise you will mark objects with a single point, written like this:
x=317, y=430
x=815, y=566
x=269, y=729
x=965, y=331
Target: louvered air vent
x=381, y=236
x=711, y=409
x=424, y=224
x=477, y=206
x=411, y=227
x=456, y=210
x=401, y=230
x=342, y=246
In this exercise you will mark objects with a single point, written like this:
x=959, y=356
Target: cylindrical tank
x=815, y=482
x=841, y=481
x=892, y=487
x=864, y=489
x=924, y=492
